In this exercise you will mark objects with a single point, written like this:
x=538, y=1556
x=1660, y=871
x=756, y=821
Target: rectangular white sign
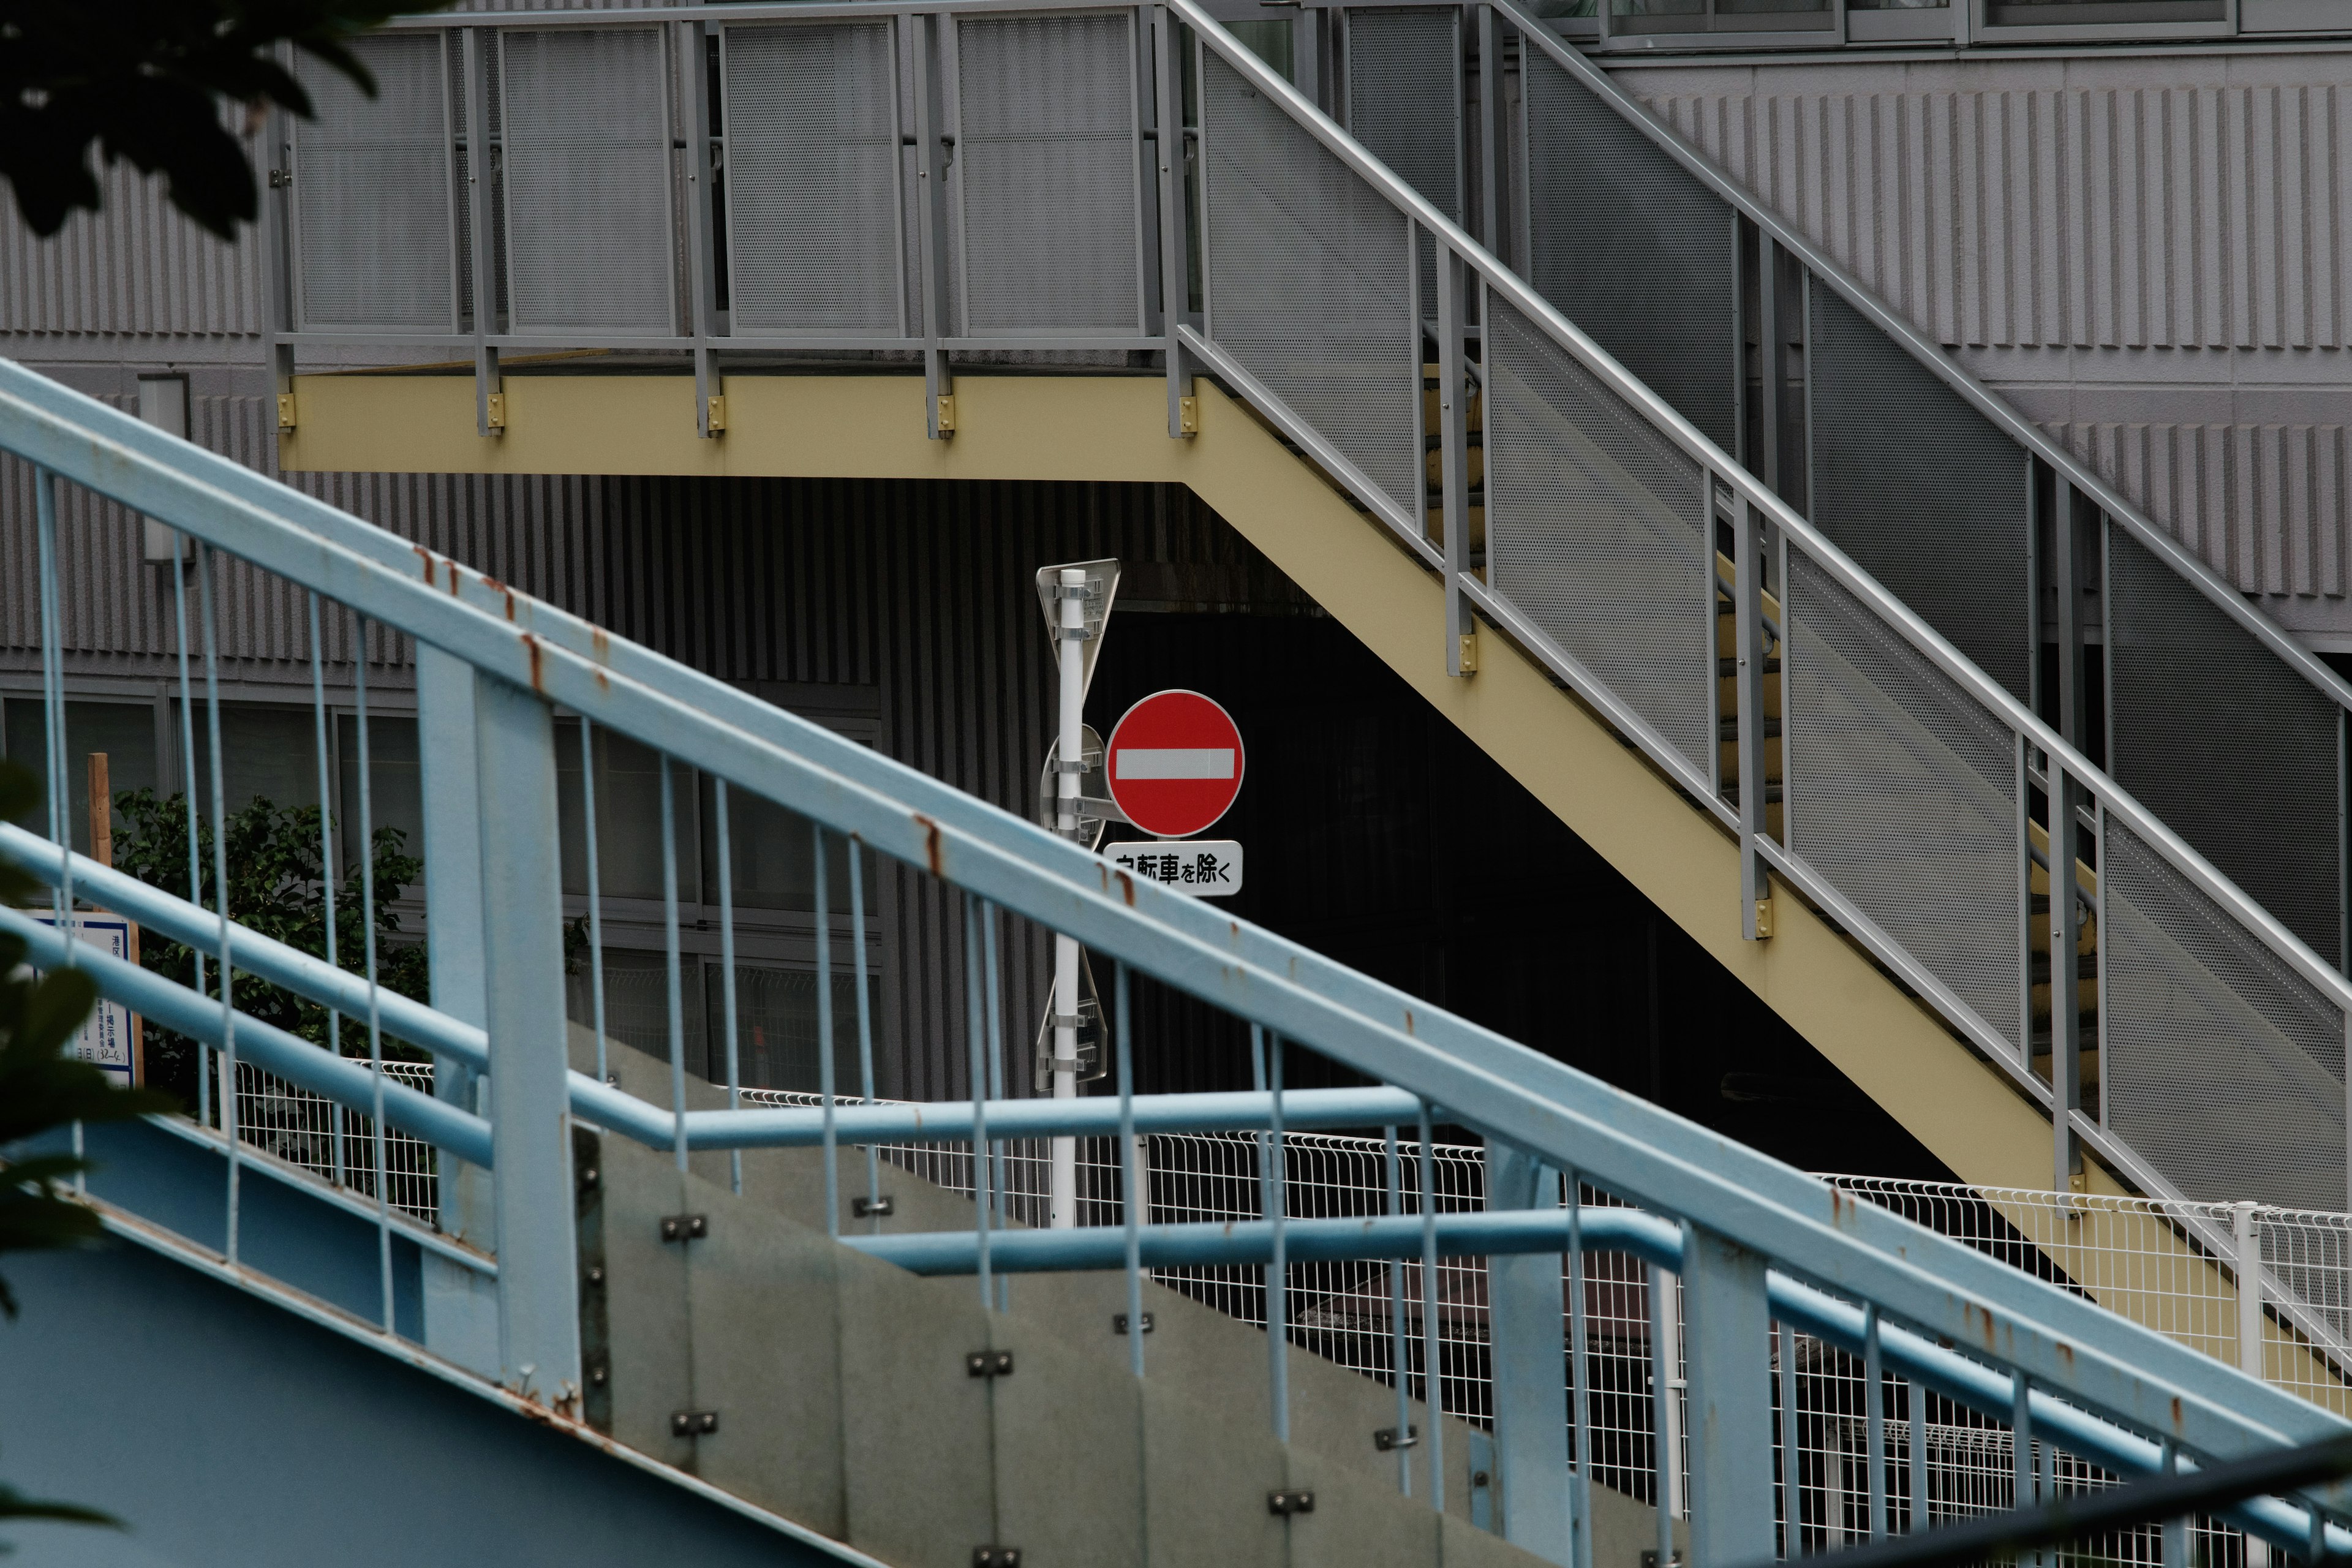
x=1203, y=868
x=104, y=1041
x=1174, y=761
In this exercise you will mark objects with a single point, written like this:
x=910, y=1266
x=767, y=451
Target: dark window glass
x=125, y=731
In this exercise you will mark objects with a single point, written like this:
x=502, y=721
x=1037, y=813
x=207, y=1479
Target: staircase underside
x=1095, y=427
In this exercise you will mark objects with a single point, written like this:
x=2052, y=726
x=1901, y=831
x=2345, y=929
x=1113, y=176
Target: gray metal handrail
x=2023, y=721
x=2158, y=539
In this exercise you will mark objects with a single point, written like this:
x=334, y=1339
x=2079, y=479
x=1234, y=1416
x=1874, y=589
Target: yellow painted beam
x=1058, y=427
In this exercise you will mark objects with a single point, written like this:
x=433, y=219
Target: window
x=395, y=793
x=1719, y=16
x=125, y=731
x=628, y=819
x=2091, y=12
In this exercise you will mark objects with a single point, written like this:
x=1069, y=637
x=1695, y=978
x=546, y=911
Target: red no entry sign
x=1175, y=764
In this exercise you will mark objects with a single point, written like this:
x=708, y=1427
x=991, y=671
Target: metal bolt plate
x=989, y=1363
x=693, y=1423
x=1386, y=1438
x=684, y=1227
x=882, y=1207
x=1291, y=1502
x=1118, y=1322
x=996, y=1557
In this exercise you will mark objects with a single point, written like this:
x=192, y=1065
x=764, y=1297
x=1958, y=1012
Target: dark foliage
x=278, y=888
x=41, y=1090
x=146, y=80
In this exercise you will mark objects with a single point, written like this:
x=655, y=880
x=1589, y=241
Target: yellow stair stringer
x=1113, y=428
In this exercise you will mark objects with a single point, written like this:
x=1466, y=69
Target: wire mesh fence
x=2151, y=1260
x=337, y=1145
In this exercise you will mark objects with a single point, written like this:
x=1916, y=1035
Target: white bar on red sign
x=1201, y=867
x=1175, y=763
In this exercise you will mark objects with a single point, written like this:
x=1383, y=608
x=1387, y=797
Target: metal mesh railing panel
x=1403, y=84
x=1048, y=104
x=1921, y=489
x=812, y=178
x=2221, y=1067
x=301, y=1128
x=1632, y=249
x=587, y=167
x=373, y=198
x=1310, y=283
x=1903, y=794
x=2246, y=768
x=1594, y=531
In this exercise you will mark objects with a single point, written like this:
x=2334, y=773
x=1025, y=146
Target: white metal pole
x=1061, y=1204
x=2250, y=1327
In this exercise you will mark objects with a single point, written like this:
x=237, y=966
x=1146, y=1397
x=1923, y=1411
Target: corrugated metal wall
x=921, y=594
x=140, y=267
x=2150, y=254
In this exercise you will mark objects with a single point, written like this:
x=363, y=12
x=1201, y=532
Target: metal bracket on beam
x=684, y=1227
x=988, y=1364
x=693, y=1423
x=882, y=1207
x=1290, y=1502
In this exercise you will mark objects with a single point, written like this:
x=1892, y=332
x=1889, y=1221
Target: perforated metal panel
x=1632, y=249
x=1404, y=103
x=372, y=194
x=1921, y=489
x=590, y=242
x=811, y=185
x=1050, y=175
x=2228, y=746
x=1310, y=282
x=1595, y=532
x=2223, y=1066
x=1902, y=791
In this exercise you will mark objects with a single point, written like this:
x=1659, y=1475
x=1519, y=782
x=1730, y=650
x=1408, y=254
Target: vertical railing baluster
x=671, y=962
x=727, y=977
x=328, y=868
x=1398, y=1350
x=1916, y=1396
x=824, y=1032
x=1433, y=1381
x=1578, y=1373
x=2021, y=1441
x=865, y=1026
x=1873, y=1419
x=973, y=1033
x=1793, y=1474
x=2173, y=1541
x=992, y=999
x=188, y=800
x=367, y=940
x=1663, y=1459
x=596, y=893
x=1747, y=626
x=1135, y=1195
x=53, y=699
x=1276, y=1176
x=220, y=880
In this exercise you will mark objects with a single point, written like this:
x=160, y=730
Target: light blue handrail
x=2122, y=1374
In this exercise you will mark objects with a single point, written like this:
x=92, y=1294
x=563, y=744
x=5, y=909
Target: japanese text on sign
x=1203, y=868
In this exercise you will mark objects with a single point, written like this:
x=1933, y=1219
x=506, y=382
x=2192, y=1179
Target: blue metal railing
x=1755, y=1241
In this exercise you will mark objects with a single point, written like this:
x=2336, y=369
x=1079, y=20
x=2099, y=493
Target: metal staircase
x=1634, y=400
x=1876, y=676
x=1759, y=1249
